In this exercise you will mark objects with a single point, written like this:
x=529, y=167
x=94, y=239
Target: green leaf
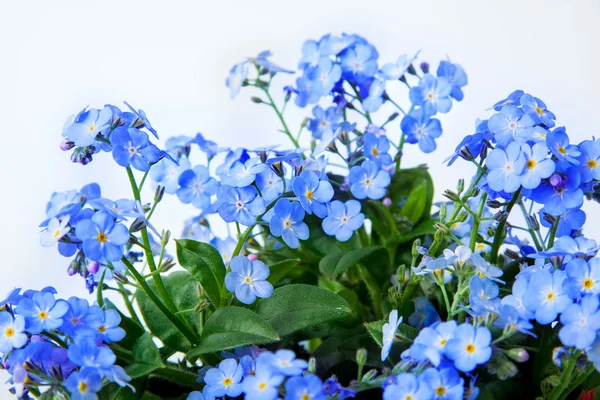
x=336, y=263
x=414, y=206
x=133, y=330
x=295, y=307
x=146, y=358
x=183, y=290
x=231, y=327
x=405, y=182
x=426, y=227
x=205, y=263
x=375, y=329
x=280, y=269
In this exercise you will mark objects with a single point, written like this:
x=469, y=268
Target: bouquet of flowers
x=339, y=277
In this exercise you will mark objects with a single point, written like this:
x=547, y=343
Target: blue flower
x=55, y=231
x=324, y=120
x=537, y=110
x=103, y=239
x=420, y=128
x=343, y=219
x=263, y=384
x=581, y=323
x=393, y=71
x=546, y=296
x=84, y=352
x=313, y=193
x=561, y=193
x=270, y=185
x=516, y=298
x=377, y=149
x=359, y=63
x=88, y=125
x=432, y=95
x=77, y=317
x=512, y=98
x=284, y=362
x=583, y=277
x=589, y=160
x=239, y=204
x=262, y=60
x=247, y=279
x=558, y=142
x=225, y=380
x=242, y=174
x=368, y=180
x=456, y=76
x=431, y=342
x=236, y=78
x=510, y=320
x=197, y=186
x=374, y=99
x=482, y=294
x=226, y=247
x=324, y=75
x=505, y=168
x=106, y=324
x=166, y=173
x=42, y=312
x=445, y=383
x=143, y=121
x=537, y=165
x=571, y=220
x=12, y=332
x=469, y=347
x=407, y=386
x=389, y=334
x=308, y=387
x=287, y=222
x=425, y=313
x=508, y=124
x=567, y=246
x=132, y=147
x=84, y=384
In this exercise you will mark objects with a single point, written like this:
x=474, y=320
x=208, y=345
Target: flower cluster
x=62, y=345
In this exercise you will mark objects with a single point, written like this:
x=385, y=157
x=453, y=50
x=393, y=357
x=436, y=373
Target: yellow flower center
x=248, y=280
x=227, y=381
x=82, y=387
x=562, y=150
x=592, y=164
x=550, y=296
x=440, y=391
x=588, y=283
x=10, y=332
x=367, y=181
x=102, y=329
x=374, y=151
x=531, y=164
x=430, y=95
x=470, y=348
x=101, y=237
x=91, y=127
x=56, y=233
x=480, y=246
x=262, y=386
x=305, y=396
x=309, y=194
x=42, y=315
x=409, y=397
x=443, y=342
x=287, y=223
x=539, y=110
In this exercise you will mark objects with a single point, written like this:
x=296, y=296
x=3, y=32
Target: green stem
x=143, y=180
x=553, y=232
x=565, y=378
x=160, y=286
x=400, y=147
x=244, y=236
x=280, y=116
x=129, y=305
x=499, y=236
x=532, y=232
x=170, y=315
x=477, y=221
x=582, y=376
x=99, y=296
x=445, y=294
x=180, y=376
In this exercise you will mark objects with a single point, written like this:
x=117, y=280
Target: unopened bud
x=252, y=257
x=312, y=365
x=519, y=355
x=166, y=235
x=411, y=70
x=475, y=192
x=159, y=193
x=202, y=305
x=443, y=211
x=511, y=254
x=533, y=222
x=424, y=67
x=466, y=154
x=556, y=180
x=369, y=376
x=119, y=277
x=462, y=217
x=393, y=117
x=439, y=236
x=167, y=264
x=451, y=195
x=460, y=186
x=415, y=248
x=93, y=267
x=66, y=145
x=501, y=216
x=494, y=204
x=387, y=201
x=549, y=218
x=361, y=357
x=288, y=96
x=137, y=226
x=256, y=100
x=74, y=268
x=277, y=167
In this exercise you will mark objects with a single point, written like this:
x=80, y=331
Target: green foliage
x=338, y=262
x=232, y=327
x=295, y=307
x=406, y=332
x=205, y=263
x=183, y=290
x=280, y=269
x=146, y=358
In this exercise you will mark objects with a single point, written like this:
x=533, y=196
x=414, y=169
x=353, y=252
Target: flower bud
x=556, y=180
x=66, y=145
x=415, y=248
x=93, y=267
x=252, y=257
x=501, y=216
x=74, y=268
x=119, y=277
x=166, y=235
x=167, y=264
x=312, y=365
x=137, y=226
x=443, y=211
x=462, y=217
x=411, y=70
x=451, y=195
x=361, y=357
x=369, y=376
x=439, y=236
x=533, y=222
x=549, y=218
x=511, y=254
x=256, y=100
x=494, y=204
x=424, y=67
x=460, y=186
x=519, y=355
x=466, y=154
x=441, y=227
x=159, y=193
x=387, y=201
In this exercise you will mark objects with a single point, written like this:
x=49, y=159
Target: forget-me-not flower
x=239, y=204
x=287, y=222
x=103, y=239
x=248, y=279
x=343, y=219
x=368, y=180
x=313, y=193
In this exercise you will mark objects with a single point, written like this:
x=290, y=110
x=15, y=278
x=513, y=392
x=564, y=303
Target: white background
x=171, y=59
